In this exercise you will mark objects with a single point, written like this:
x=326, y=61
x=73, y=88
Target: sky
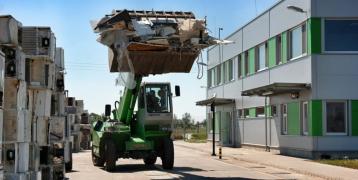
x=87, y=74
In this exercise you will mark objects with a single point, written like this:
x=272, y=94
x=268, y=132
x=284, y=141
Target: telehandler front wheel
x=110, y=156
x=168, y=154
x=97, y=161
x=150, y=160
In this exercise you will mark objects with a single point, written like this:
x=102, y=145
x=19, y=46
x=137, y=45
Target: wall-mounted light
x=295, y=95
x=295, y=8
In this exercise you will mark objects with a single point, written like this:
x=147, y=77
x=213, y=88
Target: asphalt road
x=189, y=164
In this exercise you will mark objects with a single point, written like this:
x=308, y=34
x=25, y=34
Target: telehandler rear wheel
x=110, y=155
x=150, y=160
x=97, y=161
x=168, y=154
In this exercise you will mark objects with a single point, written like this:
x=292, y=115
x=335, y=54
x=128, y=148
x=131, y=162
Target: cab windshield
x=157, y=98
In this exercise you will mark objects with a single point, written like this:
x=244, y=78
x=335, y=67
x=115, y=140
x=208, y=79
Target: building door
x=226, y=128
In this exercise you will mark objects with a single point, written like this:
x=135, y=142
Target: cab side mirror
x=107, y=111
x=177, y=90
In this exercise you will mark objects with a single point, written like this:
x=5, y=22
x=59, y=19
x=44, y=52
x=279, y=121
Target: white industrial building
x=297, y=61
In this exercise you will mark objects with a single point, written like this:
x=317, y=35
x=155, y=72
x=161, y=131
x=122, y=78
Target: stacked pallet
x=85, y=129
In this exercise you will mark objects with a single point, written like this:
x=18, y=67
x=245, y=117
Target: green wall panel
x=354, y=111
x=314, y=36
x=315, y=118
x=268, y=111
x=252, y=61
x=272, y=52
x=252, y=112
x=284, y=47
x=293, y=113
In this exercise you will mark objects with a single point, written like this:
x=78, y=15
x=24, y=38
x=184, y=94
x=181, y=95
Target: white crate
x=15, y=94
x=41, y=102
x=57, y=129
x=14, y=62
x=41, y=74
x=39, y=42
x=76, y=127
x=9, y=30
x=58, y=104
x=59, y=58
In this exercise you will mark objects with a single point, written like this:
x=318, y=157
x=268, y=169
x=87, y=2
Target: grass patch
x=349, y=163
x=196, y=140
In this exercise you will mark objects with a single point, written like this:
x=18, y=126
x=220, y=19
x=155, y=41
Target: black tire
x=150, y=160
x=68, y=165
x=168, y=154
x=97, y=161
x=110, y=156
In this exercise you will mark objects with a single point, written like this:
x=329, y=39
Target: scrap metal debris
x=152, y=42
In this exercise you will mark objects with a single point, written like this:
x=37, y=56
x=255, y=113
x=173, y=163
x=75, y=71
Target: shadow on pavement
x=181, y=172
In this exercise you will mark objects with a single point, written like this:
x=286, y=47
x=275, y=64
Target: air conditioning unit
x=57, y=129
x=38, y=42
x=9, y=34
x=15, y=96
x=40, y=74
x=16, y=126
x=14, y=63
x=71, y=101
x=41, y=102
x=59, y=58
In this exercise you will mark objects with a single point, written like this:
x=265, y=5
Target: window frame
x=258, y=59
x=323, y=34
x=239, y=66
x=246, y=60
x=284, y=117
x=263, y=111
x=304, y=47
x=346, y=118
x=305, y=122
x=278, y=50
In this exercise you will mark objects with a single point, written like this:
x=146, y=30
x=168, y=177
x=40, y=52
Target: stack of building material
x=16, y=124
x=71, y=111
x=76, y=127
x=2, y=65
x=152, y=42
x=85, y=131
x=38, y=44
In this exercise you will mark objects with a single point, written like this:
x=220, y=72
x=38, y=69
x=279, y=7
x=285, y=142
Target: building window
x=260, y=112
x=214, y=76
x=218, y=74
x=341, y=35
x=230, y=71
x=239, y=68
x=273, y=111
x=305, y=118
x=209, y=78
x=240, y=113
x=261, y=57
x=246, y=113
x=336, y=117
x=247, y=62
x=297, y=42
x=278, y=49
x=284, y=119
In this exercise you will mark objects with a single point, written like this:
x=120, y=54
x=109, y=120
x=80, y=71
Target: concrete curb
x=314, y=175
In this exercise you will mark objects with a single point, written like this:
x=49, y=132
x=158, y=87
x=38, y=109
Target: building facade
x=292, y=72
